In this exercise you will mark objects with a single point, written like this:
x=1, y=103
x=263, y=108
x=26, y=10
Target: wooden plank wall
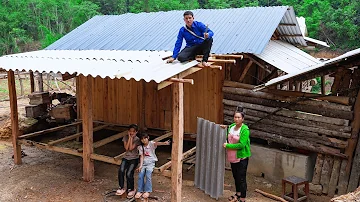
x=118, y=101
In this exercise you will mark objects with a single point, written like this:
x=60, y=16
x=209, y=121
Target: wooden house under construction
x=123, y=79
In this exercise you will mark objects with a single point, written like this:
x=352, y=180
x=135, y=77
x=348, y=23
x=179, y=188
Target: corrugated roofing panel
x=290, y=18
x=237, y=30
x=210, y=158
x=286, y=57
x=147, y=65
x=353, y=53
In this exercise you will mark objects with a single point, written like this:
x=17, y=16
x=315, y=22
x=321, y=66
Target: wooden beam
x=290, y=35
x=32, y=82
x=229, y=56
x=53, y=148
x=14, y=117
x=181, y=75
x=287, y=24
x=76, y=135
x=178, y=135
x=107, y=140
x=211, y=66
x=87, y=116
x=105, y=159
x=185, y=155
x=246, y=69
x=177, y=80
x=336, y=99
x=48, y=130
x=218, y=60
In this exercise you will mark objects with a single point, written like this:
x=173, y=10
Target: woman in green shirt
x=238, y=153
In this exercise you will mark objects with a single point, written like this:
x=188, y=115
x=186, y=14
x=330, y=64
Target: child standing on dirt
x=147, y=164
x=129, y=162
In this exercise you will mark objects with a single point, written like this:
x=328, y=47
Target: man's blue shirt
x=198, y=28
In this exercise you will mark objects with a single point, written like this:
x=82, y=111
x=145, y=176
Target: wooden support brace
x=258, y=63
x=32, y=82
x=185, y=155
x=105, y=159
x=246, y=69
x=107, y=140
x=48, y=130
x=181, y=75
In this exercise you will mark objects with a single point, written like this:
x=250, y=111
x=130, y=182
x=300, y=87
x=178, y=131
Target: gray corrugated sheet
x=210, y=158
x=286, y=57
x=290, y=18
x=237, y=30
x=347, y=56
x=147, y=65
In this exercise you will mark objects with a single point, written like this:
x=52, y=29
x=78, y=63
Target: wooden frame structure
x=86, y=88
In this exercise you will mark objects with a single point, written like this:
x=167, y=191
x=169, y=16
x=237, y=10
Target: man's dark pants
x=189, y=53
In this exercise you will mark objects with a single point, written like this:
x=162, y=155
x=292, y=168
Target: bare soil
x=50, y=176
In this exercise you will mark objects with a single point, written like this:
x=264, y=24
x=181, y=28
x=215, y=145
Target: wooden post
x=14, y=117
x=40, y=83
x=32, y=83
x=178, y=136
x=355, y=125
x=21, y=83
x=48, y=81
x=323, y=91
x=87, y=116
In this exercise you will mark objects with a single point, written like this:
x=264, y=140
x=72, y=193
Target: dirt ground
x=51, y=176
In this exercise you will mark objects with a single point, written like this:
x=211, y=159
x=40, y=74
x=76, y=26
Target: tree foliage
x=29, y=22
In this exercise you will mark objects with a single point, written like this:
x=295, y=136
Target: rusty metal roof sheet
x=286, y=57
x=237, y=30
x=146, y=65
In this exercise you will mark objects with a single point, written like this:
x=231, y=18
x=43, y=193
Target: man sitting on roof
x=198, y=39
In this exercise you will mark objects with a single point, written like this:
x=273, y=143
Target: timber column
x=178, y=137
x=87, y=125
x=14, y=117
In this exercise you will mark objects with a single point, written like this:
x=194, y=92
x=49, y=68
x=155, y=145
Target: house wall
x=124, y=102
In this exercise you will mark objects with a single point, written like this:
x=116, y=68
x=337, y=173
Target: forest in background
x=27, y=25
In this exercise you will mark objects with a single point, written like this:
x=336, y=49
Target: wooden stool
x=295, y=183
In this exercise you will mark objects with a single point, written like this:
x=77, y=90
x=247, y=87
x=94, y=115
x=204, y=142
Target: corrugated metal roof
x=286, y=57
x=323, y=43
x=210, y=158
x=237, y=30
x=287, y=31
x=346, y=56
x=147, y=65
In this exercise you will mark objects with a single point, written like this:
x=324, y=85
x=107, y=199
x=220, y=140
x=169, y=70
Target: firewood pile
x=350, y=197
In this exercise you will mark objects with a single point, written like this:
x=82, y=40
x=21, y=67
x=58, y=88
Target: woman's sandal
x=233, y=198
x=138, y=195
x=146, y=195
